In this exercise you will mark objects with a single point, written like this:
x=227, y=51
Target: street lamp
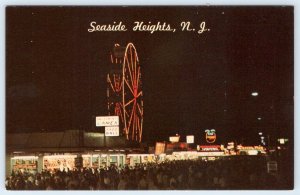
x=254, y=93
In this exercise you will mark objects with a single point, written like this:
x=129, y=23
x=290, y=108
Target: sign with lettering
x=107, y=121
x=174, y=139
x=250, y=147
x=210, y=148
x=190, y=139
x=112, y=131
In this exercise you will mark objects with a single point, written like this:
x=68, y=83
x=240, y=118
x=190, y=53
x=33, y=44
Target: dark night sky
x=56, y=70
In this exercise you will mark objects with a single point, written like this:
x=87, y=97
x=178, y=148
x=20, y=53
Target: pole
x=104, y=139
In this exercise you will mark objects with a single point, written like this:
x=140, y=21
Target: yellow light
x=281, y=141
x=252, y=152
x=24, y=157
x=61, y=156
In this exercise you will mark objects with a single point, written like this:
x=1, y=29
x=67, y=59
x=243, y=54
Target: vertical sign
x=160, y=148
x=189, y=139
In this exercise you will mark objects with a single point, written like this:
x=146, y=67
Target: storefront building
x=59, y=150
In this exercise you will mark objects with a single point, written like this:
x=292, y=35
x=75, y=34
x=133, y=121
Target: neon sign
x=210, y=135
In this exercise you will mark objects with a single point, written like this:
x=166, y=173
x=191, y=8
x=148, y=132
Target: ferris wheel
x=124, y=92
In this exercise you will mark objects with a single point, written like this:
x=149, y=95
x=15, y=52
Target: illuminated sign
x=106, y=121
x=190, y=139
x=282, y=140
x=24, y=162
x=250, y=148
x=252, y=152
x=160, y=148
x=222, y=147
x=170, y=147
x=246, y=148
x=174, y=138
x=59, y=162
x=112, y=131
x=211, y=153
x=25, y=157
x=210, y=135
x=239, y=146
x=210, y=148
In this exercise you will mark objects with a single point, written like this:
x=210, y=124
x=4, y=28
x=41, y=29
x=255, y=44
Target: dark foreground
x=244, y=172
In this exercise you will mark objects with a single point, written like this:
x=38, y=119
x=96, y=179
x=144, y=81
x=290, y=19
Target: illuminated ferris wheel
x=124, y=91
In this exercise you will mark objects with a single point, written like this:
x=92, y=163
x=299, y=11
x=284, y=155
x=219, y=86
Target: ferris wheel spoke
x=138, y=126
x=131, y=62
x=138, y=78
x=133, y=126
x=140, y=130
x=111, y=85
x=129, y=70
x=129, y=86
x=129, y=102
x=135, y=75
x=120, y=112
x=141, y=125
x=139, y=94
x=136, y=57
x=122, y=118
x=117, y=82
x=130, y=120
x=126, y=113
x=140, y=110
x=111, y=59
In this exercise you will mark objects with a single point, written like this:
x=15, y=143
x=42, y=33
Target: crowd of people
x=229, y=173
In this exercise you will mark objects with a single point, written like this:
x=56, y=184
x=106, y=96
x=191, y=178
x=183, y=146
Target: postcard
x=149, y=98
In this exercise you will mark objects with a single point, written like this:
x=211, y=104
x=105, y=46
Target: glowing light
x=259, y=118
x=90, y=155
x=210, y=153
x=190, y=139
x=281, y=141
x=252, y=152
x=24, y=157
x=61, y=156
x=174, y=138
x=210, y=135
x=254, y=94
x=18, y=152
x=260, y=133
